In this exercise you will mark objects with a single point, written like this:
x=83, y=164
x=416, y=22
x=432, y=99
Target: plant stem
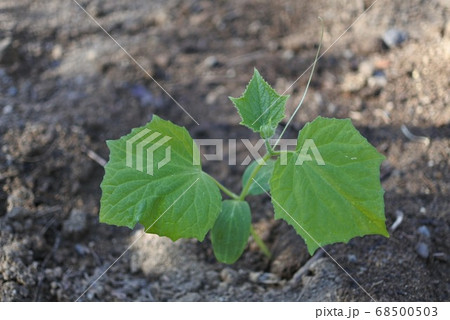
x=227, y=191
x=269, y=147
x=260, y=243
x=252, y=176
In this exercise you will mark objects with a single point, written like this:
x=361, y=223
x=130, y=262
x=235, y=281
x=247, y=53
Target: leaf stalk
x=260, y=243
x=252, y=176
x=227, y=191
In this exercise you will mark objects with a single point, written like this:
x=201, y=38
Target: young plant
x=328, y=188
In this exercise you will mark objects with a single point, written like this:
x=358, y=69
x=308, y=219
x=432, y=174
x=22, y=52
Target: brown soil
x=66, y=87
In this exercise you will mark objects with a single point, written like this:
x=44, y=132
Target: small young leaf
x=230, y=233
x=331, y=193
x=262, y=177
x=260, y=107
x=151, y=178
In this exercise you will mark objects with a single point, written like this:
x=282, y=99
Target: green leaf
x=230, y=233
x=262, y=177
x=260, y=107
x=171, y=197
x=338, y=200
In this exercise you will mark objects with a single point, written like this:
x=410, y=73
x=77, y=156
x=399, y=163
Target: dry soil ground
x=66, y=87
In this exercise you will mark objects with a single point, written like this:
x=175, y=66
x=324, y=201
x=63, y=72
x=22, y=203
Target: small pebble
x=264, y=278
x=81, y=249
x=378, y=80
x=348, y=54
x=398, y=220
x=365, y=68
x=441, y=256
x=287, y=54
x=57, y=52
x=211, y=62
x=7, y=109
x=394, y=37
x=353, y=82
x=254, y=27
x=231, y=73
x=423, y=230
x=76, y=224
x=229, y=276
x=422, y=250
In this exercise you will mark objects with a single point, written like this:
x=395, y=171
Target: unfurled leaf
x=151, y=178
x=260, y=107
x=230, y=233
x=262, y=177
x=329, y=189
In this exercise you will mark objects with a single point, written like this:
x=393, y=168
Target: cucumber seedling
x=328, y=188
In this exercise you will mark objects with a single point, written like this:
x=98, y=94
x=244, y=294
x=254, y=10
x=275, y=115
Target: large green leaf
x=230, y=233
x=335, y=199
x=260, y=107
x=262, y=177
x=151, y=178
